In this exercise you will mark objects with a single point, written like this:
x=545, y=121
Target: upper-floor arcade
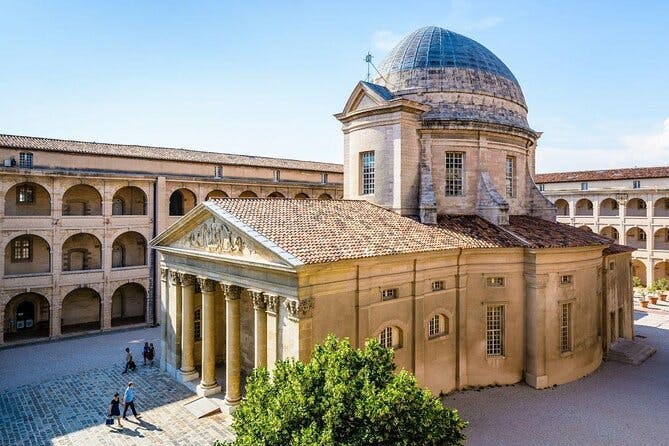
x=611, y=207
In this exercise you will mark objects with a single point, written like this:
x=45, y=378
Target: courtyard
x=57, y=394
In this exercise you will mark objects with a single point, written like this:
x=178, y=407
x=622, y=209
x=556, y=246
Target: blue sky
x=265, y=78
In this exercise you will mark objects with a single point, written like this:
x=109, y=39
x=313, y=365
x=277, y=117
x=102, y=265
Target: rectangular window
x=324, y=177
x=612, y=266
x=21, y=250
x=511, y=176
x=26, y=160
x=276, y=175
x=25, y=195
x=542, y=187
x=454, y=174
x=367, y=172
x=386, y=337
x=437, y=286
x=565, y=280
x=218, y=171
x=636, y=184
x=584, y=186
x=434, y=326
x=389, y=294
x=495, y=330
x=565, y=328
x=495, y=281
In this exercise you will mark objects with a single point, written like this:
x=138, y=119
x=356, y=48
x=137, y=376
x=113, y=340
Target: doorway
x=25, y=316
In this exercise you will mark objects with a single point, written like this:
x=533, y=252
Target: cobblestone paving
x=68, y=408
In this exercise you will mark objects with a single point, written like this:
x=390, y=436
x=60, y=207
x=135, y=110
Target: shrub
x=342, y=396
x=662, y=284
x=636, y=282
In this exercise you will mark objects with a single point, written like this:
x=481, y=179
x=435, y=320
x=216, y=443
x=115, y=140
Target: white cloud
x=649, y=148
x=385, y=40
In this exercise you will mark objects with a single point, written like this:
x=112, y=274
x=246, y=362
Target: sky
x=265, y=78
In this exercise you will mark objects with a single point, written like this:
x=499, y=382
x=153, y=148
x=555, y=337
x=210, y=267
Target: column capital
x=232, y=292
x=299, y=309
x=187, y=279
x=272, y=303
x=174, y=278
x=206, y=285
x=258, y=298
x=164, y=273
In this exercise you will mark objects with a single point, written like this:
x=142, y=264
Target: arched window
x=390, y=337
x=437, y=326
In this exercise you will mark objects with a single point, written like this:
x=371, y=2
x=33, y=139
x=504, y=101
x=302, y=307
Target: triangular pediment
x=367, y=96
x=204, y=233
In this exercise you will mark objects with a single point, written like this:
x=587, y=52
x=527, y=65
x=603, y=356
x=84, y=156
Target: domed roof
x=440, y=66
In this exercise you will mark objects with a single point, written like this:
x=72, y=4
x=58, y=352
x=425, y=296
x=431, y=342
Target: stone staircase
x=630, y=351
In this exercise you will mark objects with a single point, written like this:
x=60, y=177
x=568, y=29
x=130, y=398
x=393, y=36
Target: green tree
x=342, y=396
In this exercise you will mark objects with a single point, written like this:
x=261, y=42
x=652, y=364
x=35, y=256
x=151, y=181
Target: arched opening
x=609, y=208
x=584, y=207
x=276, y=194
x=562, y=207
x=636, y=238
x=610, y=232
x=324, y=197
x=585, y=228
x=81, y=311
x=636, y=207
x=81, y=252
x=661, y=270
x=26, y=316
x=639, y=270
x=27, y=199
x=661, y=207
x=390, y=337
x=181, y=201
x=248, y=194
x=82, y=199
x=27, y=254
x=128, y=305
x=129, y=249
x=214, y=194
x=438, y=325
x=661, y=239
x=301, y=196
x=129, y=200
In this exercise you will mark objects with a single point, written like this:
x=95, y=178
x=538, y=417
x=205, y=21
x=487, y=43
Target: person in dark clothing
x=152, y=354
x=129, y=363
x=145, y=352
x=114, y=409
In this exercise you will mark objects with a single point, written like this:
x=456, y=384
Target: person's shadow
x=135, y=429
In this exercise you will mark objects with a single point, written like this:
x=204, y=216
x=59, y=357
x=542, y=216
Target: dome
x=459, y=77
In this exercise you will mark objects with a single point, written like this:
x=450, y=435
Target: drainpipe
x=152, y=268
x=457, y=321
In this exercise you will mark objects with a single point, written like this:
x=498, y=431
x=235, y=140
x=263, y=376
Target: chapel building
x=443, y=247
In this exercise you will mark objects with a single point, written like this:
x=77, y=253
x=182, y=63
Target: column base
x=538, y=382
x=207, y=390
x=187, y=376
x=228, y=408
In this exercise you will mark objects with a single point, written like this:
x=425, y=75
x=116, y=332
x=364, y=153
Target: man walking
x=129, y=363
x=129, y=401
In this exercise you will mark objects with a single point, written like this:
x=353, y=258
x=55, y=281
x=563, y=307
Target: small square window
x=438, y=285
x=495, y=281
x=542, y=187
x=218, y=171
x=276, y=175
x=612, y=266
x=636, y=184
x=388, y=294
x=26, y=160
x=584, y=186
x=565, y=280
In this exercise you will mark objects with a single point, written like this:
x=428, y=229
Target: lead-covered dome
x=460, y=78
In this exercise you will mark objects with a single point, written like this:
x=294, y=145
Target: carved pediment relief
x=217, y=237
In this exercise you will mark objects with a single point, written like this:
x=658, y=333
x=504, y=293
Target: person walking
x=115, y=410
x=145, y=352
x=129, y=401
x=129, y=363
x=152, y=354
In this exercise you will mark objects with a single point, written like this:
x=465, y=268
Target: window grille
x=389, y=294
x=510, y=176
x=566, y=279
x=495, y=281
x=584, y=186
x=367, y=172
x=218, y=171
x=454, y=173
x=495, y=330
x=435, y=326
x=386, y=337
x=565, y=328
x=25, y=195
x=438, y=285
x=22, y=250
x=197, y=324
x=26, y=160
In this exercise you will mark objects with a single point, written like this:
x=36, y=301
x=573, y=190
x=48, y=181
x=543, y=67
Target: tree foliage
x=342, y=396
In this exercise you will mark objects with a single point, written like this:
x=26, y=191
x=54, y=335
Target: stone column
x=208, y=385
x=175, y=320
x=260, y=323
x=164, y=298
x=272, y=308
x=233, y=351
x=187, y=371
x=56, y=314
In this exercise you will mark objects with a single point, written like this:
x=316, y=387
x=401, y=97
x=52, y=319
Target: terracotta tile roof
x=162, y=153
x=477, y=232
x=618, y=249
x=610, y=174
x=319, y=231
x=539, y=233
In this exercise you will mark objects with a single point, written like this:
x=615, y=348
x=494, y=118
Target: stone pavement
x=58, y=394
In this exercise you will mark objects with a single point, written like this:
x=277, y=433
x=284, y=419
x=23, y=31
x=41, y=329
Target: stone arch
x=82, y=199
x=82, y=251
x=27, y=198
x=129, y=200
x=128, y=305
x=636, y=207
x=276, y=194
x=661, y=270
x=81, y=310
x=585, y=228
x=609, y=208
x=325, y=197
x=248, y=194
x=27, y=254
x=584, y=207
x=26, y=316
x=639, y=270
x=562, y=207
x=661, y=239
x=181, y=201
x=610, y=232
x=301, y=196
x=636, y=238
x=661, y=207
x=216, y=193
x=129, y=249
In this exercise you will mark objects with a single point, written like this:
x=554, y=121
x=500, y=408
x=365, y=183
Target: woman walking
x=114, y=409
